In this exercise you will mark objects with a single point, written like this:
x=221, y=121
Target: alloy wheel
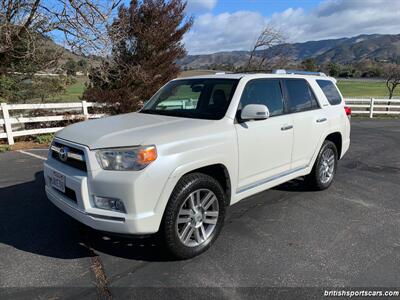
x=327, y=166
x=197, y=217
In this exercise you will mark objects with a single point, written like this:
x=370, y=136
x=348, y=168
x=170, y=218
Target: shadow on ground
x=30, y=222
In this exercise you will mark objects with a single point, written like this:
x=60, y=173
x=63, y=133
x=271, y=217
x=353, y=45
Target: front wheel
x=324, y=170
x=194, y=215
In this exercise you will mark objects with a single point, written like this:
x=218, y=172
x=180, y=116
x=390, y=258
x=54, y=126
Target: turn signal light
x=147, y=155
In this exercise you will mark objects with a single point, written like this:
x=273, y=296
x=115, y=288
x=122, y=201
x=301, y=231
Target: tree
x=47, y=87
x=392, y=75
x=259, y=56
x=82, y=65
x=347, y=71
x=21, y=88
x=24, y=24
x=333, y=69
x=146, y=45
x=70, y=67
x=309, y=64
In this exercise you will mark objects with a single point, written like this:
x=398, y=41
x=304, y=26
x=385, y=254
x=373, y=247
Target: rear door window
x=300, y=95
x=330, y=91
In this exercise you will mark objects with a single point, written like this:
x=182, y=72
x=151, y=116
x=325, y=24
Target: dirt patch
x=23, y=145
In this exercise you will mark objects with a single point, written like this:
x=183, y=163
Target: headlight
x=126, y=159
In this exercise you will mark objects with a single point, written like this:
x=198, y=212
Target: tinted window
x=300, y=95
x=193, y=98
x=330, y=91
x=263, y=91
x=227, y=89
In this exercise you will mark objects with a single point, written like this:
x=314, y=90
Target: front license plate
x=58, y=181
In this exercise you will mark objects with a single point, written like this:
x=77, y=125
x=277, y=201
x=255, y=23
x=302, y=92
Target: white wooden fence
x=78, y=110
x=373, y=107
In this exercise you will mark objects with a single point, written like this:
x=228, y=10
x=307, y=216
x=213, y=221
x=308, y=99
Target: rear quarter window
x=330, y=91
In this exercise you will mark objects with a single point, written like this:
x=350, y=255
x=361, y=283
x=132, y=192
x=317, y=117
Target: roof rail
x=297, y=72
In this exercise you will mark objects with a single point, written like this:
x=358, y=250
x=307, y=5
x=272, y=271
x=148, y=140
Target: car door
x=265, y=146
x=309, y=121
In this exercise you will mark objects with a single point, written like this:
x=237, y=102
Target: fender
x=321, y=141
x=180, y=171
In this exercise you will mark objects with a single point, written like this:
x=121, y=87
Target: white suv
x=199, y=145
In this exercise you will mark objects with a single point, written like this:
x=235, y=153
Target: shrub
x=44, y=138
x=4, y=148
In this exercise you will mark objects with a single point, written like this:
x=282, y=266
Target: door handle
x=286, y=127
x=322, y=120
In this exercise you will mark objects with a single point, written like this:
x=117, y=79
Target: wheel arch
x=336, y=138
x=214, y=168
x=220, y=173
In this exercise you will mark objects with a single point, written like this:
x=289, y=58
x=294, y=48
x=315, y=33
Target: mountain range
x=377, y=47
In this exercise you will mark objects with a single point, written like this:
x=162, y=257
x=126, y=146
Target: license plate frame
x=58, y=181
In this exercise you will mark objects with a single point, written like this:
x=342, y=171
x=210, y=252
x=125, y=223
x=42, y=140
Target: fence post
x=7, y=123
x=85, y=109
x=371, y=108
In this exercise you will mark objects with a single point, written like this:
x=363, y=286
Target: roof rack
x=297, y=72
x=252, y=72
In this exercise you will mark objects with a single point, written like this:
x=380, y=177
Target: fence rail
x=373, y=107
x=78, y=110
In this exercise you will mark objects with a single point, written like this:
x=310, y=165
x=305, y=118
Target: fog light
x=109, y=204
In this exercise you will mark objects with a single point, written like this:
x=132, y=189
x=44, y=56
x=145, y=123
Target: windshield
x=193, y=98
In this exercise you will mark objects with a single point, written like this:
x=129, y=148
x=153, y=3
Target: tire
x=188, y=227
x=323, y=167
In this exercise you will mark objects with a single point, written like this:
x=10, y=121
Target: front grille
x=75, y=157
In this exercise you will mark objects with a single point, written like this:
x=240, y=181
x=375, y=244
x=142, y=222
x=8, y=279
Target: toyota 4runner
x=198, y=145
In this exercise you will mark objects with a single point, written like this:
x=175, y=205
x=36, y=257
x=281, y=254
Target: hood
x=126, y=130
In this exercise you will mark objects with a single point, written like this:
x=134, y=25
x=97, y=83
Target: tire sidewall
x=183, y=189
x=326, y=145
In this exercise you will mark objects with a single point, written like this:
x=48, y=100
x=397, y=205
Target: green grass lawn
x=73, y=92
x=364, y=89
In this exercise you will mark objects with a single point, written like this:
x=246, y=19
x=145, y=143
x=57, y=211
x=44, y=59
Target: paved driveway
x=346, y=236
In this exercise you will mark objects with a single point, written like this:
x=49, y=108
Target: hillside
x=63, y=55
x=343, y=50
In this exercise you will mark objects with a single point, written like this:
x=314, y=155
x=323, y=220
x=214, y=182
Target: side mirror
x=254, y=112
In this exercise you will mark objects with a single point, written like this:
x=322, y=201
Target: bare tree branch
x=392, y=74
x=268, y=38
x=32, y=14
x=83, y=23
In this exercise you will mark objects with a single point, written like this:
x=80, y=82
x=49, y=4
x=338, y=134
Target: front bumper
x=140, y=199
x=99, y=222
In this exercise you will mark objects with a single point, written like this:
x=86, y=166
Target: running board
x=269, y=179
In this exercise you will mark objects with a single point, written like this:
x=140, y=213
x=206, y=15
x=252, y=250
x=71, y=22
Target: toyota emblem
x=63, y=154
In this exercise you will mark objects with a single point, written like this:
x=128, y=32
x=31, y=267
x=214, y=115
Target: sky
x=226, y=25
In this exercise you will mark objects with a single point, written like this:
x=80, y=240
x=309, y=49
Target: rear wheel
x=194, y=215
x=324, y=170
